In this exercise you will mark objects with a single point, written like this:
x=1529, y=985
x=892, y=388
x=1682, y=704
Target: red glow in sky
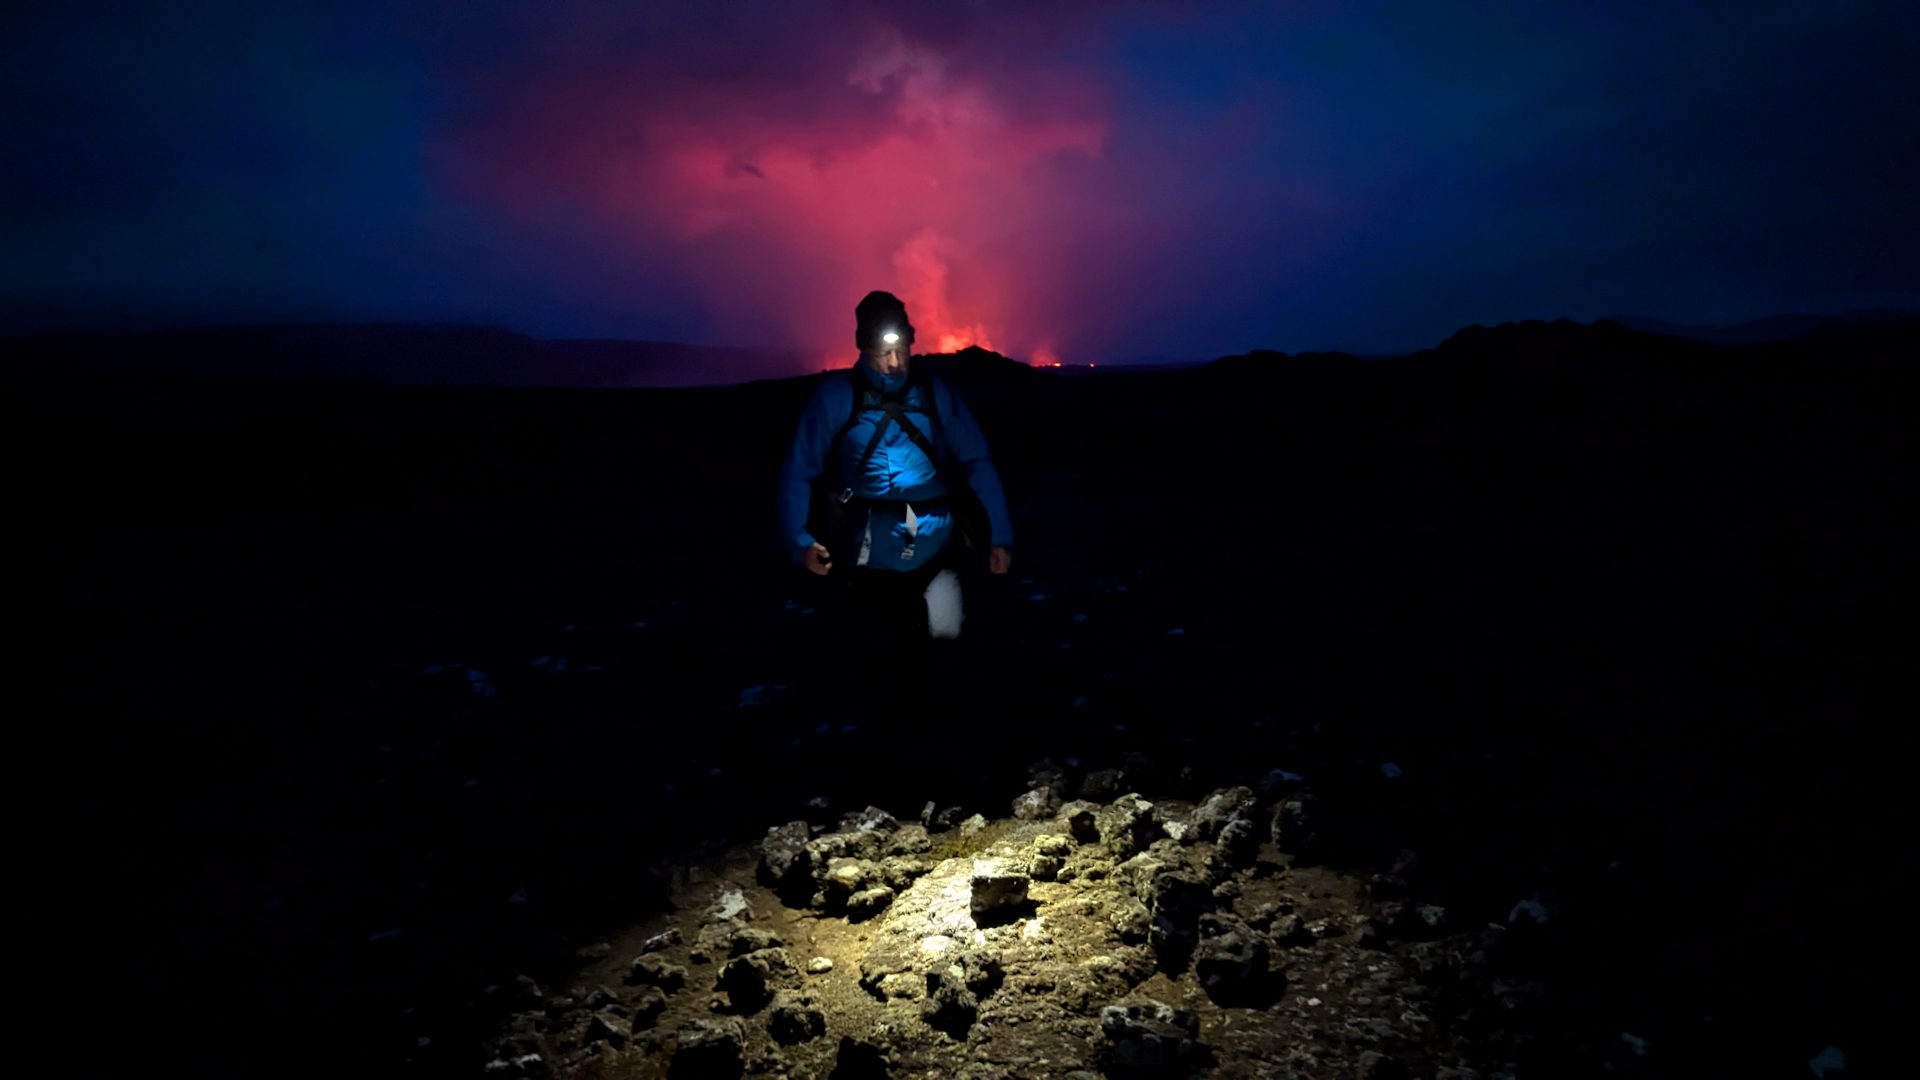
x=1142, y=182
x=866, y=161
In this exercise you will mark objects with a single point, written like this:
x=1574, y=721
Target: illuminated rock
x=900, y=871
x=784, y=861
x=949, y=1006
x=1177, y=899
x=999, y=892
x=943, y=819
x=873, y=819
x=1052, y=844
x=647, y=1007
x=1230, y=961
x=746, y=939
x=1287, y=929
x=718, y=941
x=844, y=877
x=795, y=1018
x=654, y=970
x=1221, y=809
x=708, y=1047
x=1036, y=805
x=908, y=840
x=610, y=1027
x=901, y=986
x=732, y=904
x=1143, y=1038
x=1239, y=839
x=867, y=903
x=749, y=981
x=1130, y=919
x=1128, y=825
x=1083, y=825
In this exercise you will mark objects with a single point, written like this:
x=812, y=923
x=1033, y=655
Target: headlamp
x=891, y=337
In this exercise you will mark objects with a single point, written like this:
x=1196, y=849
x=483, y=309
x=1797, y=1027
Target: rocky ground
x=391, y=742
x=1120, y=938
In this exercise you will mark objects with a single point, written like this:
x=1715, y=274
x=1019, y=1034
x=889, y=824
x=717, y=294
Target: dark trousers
x=880, y=639
x=891, y=604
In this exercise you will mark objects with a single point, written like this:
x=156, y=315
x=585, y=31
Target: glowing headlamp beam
x=890, y=337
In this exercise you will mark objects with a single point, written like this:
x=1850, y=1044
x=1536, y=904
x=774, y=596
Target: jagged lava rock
x=709, y=1047
x=867, y=903
x=784, y=862
x=1230, y=960
x=1220, y=809
x=844, y=877
x=796, y=1017
x=609, y=1026
x=1146, y=1038
x=655, y=970
x=1103, y=784
x=1128, y=825
x=1082, y=823
x=1052, y=844
x=999, y=891
x=1036, y=805
x=750, y=980
x=647, y=1007
x=1296, y=825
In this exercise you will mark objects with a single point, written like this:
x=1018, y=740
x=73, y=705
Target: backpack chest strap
x=894, y=410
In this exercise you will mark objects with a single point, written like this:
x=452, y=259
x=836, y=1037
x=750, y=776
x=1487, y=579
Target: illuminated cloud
x=889, y=163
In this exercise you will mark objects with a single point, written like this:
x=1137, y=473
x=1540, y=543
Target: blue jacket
x=898, y=475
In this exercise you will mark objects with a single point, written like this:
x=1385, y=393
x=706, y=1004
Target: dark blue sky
x=1083, y=180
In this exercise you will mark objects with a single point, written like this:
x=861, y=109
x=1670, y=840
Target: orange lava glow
x=969, y=337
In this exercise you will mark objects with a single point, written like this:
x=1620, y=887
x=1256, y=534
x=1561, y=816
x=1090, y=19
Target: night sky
x=1088, y=181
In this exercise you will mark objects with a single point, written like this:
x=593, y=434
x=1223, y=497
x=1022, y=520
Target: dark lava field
x=391, y=723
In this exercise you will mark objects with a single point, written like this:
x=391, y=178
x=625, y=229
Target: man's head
x=882, y=332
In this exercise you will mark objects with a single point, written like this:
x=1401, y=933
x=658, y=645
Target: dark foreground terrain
x=376, y=699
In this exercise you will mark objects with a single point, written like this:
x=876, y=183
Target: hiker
x=892, y=496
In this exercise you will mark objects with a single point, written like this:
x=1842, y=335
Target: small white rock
x=731, y=903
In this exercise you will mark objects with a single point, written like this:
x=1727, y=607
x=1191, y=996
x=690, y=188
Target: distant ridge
x=470, y=355
x=1764, y=331
x=393, y=353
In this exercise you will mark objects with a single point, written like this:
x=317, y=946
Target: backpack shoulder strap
x=897, y=412
x=853, y=415
x=932, y=405
x=894, y=408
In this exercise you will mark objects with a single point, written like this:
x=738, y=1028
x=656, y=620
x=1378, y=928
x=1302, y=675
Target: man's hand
x=817, y=560
x=998, y=559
